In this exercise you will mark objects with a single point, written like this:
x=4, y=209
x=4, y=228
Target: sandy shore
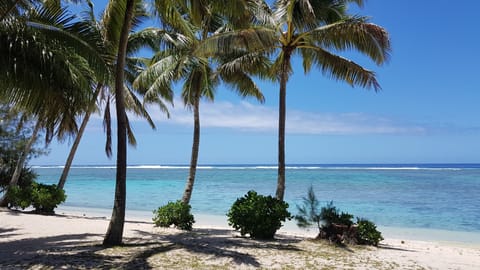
x=73, y=241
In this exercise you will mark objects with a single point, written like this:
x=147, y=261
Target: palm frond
x=107, y=126
x=246, y=40
x=343, y=69
x=130, y=135
x=354, y=33
x=243, y=84
x=133, y=104
x=79, y=36
x=156, y=80
x=172, y=15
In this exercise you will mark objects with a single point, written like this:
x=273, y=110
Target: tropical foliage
x=14, y=134
x=174, y=213
x=56, y=66
x=335, y=225
x=315, y=31
x=188, y=24
x=44, y=198
x=257, y=215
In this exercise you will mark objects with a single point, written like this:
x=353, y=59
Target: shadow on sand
x=85, y=250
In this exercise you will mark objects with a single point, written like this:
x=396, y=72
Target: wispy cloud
x=246, y=116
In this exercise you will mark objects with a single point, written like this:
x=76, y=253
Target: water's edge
x=218, y=221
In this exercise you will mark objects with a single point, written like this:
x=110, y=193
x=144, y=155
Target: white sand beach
x=73, y=241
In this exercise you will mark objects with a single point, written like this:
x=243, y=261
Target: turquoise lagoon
x=417, y=196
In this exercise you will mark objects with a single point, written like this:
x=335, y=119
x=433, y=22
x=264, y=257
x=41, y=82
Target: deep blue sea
x=432, y=196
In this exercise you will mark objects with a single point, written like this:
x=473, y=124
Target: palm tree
x=191, y=22
x=144, y=38
x=314, y=30
x=47, y=66
x=121, y=15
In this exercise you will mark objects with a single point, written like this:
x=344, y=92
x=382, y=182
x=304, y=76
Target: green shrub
x=332, y=215
x=44, y=198
x=174, y=213
x=367, y=233
x=19, y=197
x=257, y=215
x=334, y=225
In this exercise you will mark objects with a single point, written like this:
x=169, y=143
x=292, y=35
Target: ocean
x=422, y=196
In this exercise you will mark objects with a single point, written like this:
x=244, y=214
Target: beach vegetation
x=104, y=90
x=367, y=233
x=257, y=215
x=15, y=133
x=43, y=198
x=47, y=68
x=316, y=31
x=174, y=213
x=335, y=225
x=188, y=24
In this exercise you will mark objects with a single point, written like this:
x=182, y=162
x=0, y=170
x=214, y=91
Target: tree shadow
x=7, y=232
x=74, y=251
x=77, y=251
x=222, y=243
x=385, y=246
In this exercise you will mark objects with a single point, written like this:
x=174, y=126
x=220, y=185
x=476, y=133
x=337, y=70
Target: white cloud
x=246, y=116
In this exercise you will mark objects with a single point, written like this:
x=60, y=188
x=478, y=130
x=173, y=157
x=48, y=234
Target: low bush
x=19, y=197
x=335, y=225
x=257, y=215
x=367, y=233
x=44, y=198
x=174, y=213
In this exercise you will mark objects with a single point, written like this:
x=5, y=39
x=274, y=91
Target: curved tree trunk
x=114, y=233
x=73, y=150
x=21, y=162
x=281, y=128
x=187, y=194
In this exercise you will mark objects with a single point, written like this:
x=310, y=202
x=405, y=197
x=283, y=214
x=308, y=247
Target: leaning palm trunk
x=114, y=233
x=281, y=128
x=73, y=150
x=21, y=162
x=187, y=194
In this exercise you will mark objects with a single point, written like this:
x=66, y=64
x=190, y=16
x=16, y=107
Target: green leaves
x=367, y=233
x=174, y=213
x=257, y=215
x=44, y=198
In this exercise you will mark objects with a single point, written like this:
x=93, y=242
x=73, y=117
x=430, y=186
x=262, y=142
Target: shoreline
x=70, y=240
x=460, y=238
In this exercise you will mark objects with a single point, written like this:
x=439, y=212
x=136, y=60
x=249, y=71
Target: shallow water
x=441, y=196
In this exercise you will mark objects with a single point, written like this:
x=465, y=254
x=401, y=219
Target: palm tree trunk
x=73, y=150
x=114, y=234
x=281, y=127
x=187, y=194
x=21, y=162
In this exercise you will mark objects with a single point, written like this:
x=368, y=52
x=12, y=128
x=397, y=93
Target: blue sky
x=427, y=111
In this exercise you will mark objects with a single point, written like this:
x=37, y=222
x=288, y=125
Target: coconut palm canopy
x=315, y=30
x=189, y=23
x=51, y=60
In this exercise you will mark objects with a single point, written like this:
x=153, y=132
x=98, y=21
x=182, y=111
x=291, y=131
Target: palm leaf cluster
x=315, y=31
x=49, y=63
x=188, y=24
